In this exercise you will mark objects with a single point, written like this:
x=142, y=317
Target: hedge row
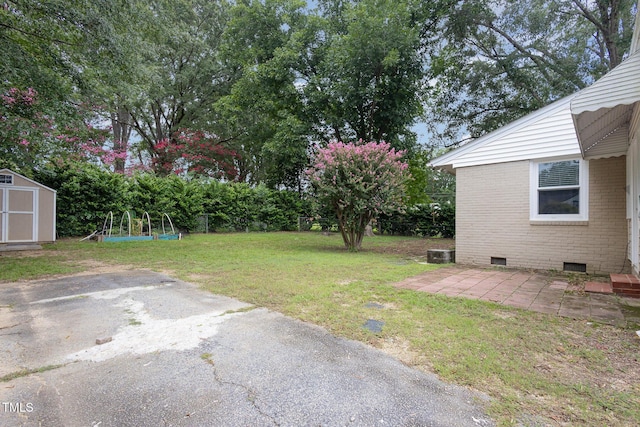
x=86, y=194
x=426, y=220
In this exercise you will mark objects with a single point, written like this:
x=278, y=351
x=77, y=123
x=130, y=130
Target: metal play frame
x=106, y=234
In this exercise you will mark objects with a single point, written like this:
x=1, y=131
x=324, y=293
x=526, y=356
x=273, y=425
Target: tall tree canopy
x=348, y=70
x=494, y=61
x=184, y=76
x=364, y=80
x=49, y=58
x=262, y=111
x=248, y=90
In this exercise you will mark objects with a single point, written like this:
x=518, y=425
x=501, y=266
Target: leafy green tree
x=364, y=79
x=426, y=184
x=492, y=62
x=23, y=130
x=358, y=182
x=262, y=110
x=81, y=59
x=350, y=70
x=41, y=45
x=30, y=138
x=184, y=76
x=119, y=75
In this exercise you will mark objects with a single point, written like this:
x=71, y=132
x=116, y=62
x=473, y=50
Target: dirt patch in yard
x=414, y=248
x=602, y=355
x=97, y=267
x=401, y=349
x=23, y=254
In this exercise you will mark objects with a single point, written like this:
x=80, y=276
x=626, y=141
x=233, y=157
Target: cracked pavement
x=173, y=355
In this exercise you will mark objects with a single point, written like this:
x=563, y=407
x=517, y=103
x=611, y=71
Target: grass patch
x=207, y=357
x=539, y=369
x=25, y=372
x=32, y=266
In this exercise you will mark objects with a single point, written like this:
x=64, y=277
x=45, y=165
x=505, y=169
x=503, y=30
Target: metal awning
x=602, y=112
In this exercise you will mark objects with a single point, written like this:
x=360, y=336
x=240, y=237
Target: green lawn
x=539, y=369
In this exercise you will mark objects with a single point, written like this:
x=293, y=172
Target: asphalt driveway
x=137, y=348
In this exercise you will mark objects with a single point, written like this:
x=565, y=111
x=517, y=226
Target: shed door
x=18, y=221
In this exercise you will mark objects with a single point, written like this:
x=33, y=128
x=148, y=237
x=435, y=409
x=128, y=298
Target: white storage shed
x=27, y=210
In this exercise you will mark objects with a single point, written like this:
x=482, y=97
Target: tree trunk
x=120, y=123
x=368, y=230
x=353, y=234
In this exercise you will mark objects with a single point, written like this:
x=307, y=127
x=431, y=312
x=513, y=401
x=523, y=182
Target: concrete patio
x=530, y=290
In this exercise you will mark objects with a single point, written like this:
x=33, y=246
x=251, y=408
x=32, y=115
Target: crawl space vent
x=498, y=261
x=574, y=266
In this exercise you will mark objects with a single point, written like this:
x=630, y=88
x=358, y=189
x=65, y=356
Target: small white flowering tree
x=358, y=182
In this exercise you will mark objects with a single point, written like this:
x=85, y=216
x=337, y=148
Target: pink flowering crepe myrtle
x=22, y=127
x=18, y=97
x=358, y=181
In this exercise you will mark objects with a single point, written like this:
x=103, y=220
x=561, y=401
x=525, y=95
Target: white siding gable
x=545, y=133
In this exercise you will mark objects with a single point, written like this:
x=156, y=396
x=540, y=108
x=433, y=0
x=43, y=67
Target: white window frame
x=7, y=179
x=583, y=182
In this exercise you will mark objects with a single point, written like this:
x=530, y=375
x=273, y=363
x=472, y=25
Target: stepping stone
x=598, y=287
x=373, y=325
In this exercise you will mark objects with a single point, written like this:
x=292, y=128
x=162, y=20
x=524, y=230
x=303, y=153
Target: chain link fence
x=211, y=223
x=427, y=220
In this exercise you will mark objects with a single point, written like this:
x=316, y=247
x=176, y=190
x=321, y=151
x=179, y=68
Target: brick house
x=559, y=188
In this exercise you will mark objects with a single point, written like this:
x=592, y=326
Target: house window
x=559, y=190
x=6, y=179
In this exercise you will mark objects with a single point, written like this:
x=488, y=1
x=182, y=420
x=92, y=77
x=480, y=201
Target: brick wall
x=492, y=220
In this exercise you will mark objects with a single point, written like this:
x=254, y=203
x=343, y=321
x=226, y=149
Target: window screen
x=559, y=188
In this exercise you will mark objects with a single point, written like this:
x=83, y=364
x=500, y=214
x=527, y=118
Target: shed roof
x=9, y=171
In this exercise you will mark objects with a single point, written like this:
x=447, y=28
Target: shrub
x=426, y=220
x=240, y=207
x=358, y=182
x=171, y=195
x=85, y=195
